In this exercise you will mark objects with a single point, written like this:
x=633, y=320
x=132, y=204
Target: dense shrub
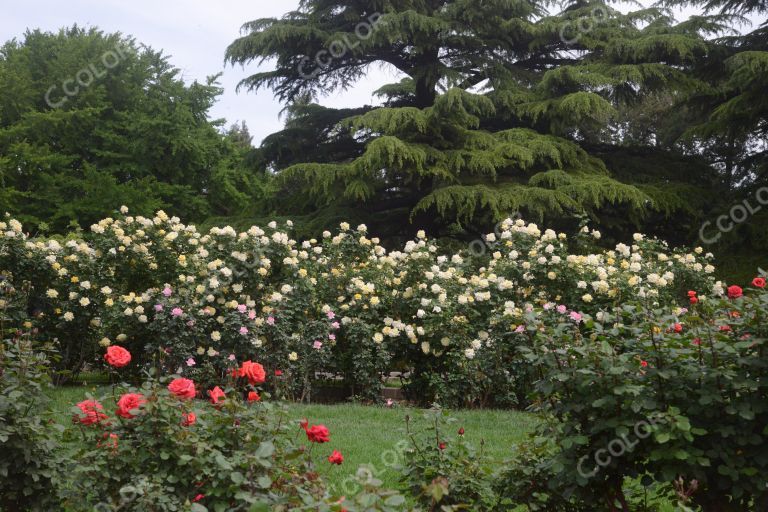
x=160, y=447
x=340, y=307
x=641, y=399
x=229, y=457
x=676, y=396
x=30, y=455
x=641, y=404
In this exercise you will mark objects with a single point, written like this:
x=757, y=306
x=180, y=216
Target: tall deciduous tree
x=90, y=121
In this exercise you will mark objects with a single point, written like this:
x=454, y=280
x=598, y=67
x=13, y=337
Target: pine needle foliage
x=495, y=105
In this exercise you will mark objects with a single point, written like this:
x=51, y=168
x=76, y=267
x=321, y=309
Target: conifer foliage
x=498, y=105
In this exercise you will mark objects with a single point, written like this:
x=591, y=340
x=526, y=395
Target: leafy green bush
x=232, y=456
x=673, y=398
x=643, y=405
x=30, y=459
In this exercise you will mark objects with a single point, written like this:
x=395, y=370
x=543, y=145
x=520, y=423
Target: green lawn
x=373, y=435
x=369, y=434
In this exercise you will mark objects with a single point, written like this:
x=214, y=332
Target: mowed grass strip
x=372, y=435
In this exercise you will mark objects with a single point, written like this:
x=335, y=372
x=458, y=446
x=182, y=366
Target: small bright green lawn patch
x=65, y=397
x=370, y=435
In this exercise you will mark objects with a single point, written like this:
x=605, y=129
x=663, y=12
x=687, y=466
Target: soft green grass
x=373, y=435
x=368, y=434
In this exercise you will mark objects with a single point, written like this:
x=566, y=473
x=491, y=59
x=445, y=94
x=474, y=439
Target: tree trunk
x=425, y=92
x=426, y=75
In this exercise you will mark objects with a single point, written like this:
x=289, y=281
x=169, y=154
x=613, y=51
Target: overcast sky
x=195, y=34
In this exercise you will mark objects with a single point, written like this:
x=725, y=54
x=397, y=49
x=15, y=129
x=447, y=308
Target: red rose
x=758, y=282
x=254, y=372
x=694, y=300
x=188, y=419
x=129, y=402
x=182, y=388
x=110, y=441
x=253, y=396
x=691, y=293
x=644, y=364
x=91, y=413
x=735, y=292
x=216, y=394
x=278, y=373
x=117, y=356
x=318, y=434
x=697, y=341
x=441, y=445
x=678, y=328
x=198, y=498
x=461, y=431
x=336, y=458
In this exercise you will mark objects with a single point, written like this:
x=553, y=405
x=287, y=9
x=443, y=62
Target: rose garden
x=412, y=255
x=643, y=378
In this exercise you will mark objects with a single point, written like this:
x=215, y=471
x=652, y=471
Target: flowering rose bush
x=319, y=311
x=642, y=404
x=444, y=472
x=674, y=397
x=154, y=448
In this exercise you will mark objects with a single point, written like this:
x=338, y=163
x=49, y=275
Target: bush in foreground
x=639, y=402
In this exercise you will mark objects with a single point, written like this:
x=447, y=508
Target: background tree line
x=554, y=111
